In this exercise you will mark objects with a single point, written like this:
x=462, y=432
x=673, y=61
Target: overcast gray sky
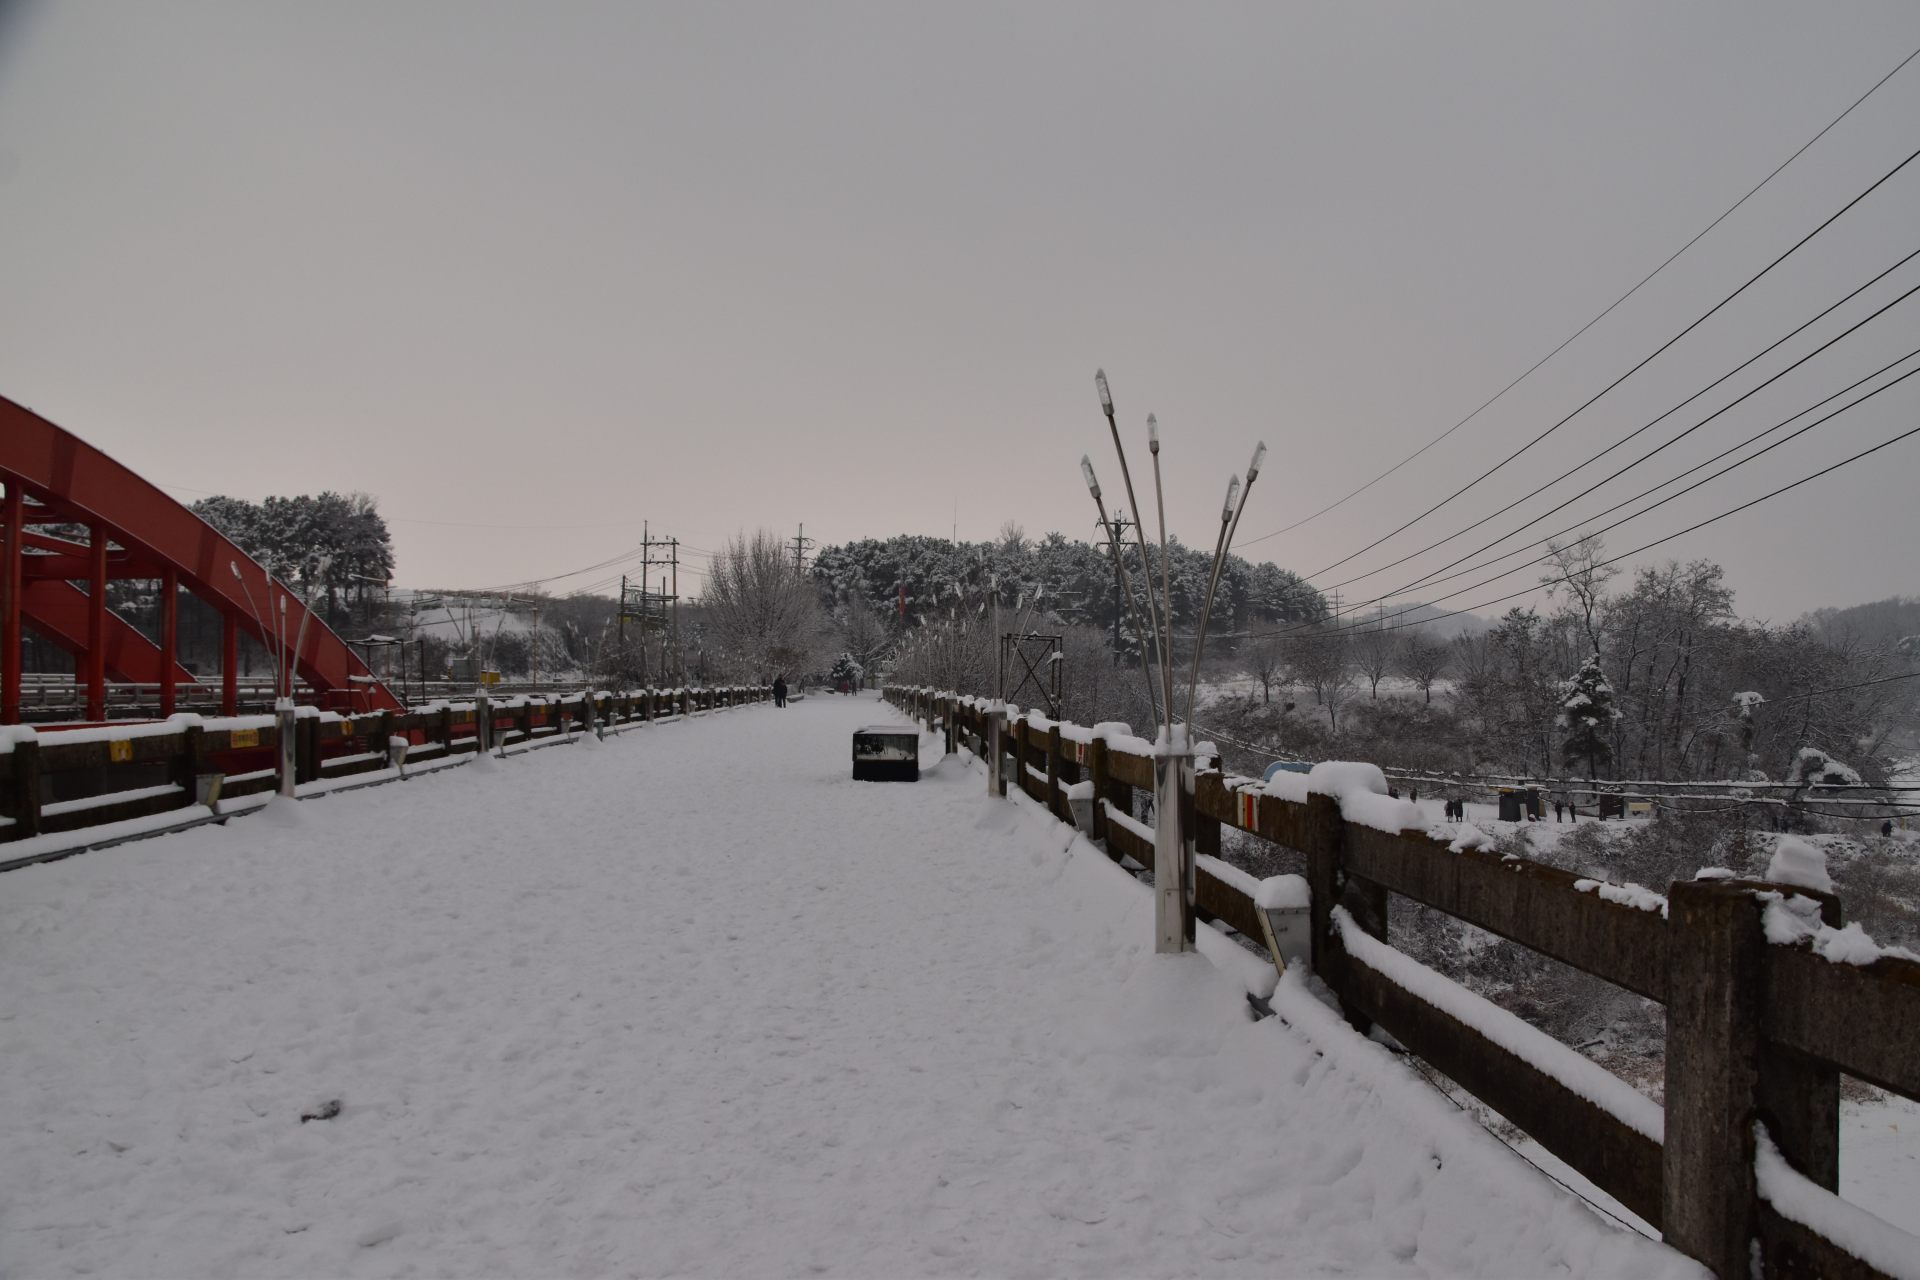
x=531, y=273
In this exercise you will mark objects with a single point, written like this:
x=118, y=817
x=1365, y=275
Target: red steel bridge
x=58, y=585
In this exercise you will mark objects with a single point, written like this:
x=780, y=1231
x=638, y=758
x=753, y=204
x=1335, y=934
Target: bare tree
x=1424, y=660
x=1318, y=659
x=1374, y=651
x=765, y=611
x=1578, y=572
x=1269, y=664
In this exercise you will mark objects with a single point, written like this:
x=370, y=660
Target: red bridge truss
x=52, y=477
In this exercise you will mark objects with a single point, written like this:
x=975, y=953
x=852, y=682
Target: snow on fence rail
x=55, y=781
x=1760, y=1021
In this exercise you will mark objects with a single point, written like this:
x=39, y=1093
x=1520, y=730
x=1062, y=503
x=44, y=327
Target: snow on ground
x=692, y=1002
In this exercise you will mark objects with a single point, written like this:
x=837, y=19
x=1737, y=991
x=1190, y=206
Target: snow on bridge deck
x=693, y=1002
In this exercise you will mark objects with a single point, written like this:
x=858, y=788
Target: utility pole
x=654, y=609
x=1120, y=526
x=800, y=542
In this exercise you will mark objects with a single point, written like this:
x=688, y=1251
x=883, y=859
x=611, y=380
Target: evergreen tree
x=1588, y=711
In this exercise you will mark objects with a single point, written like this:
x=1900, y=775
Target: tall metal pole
x=1229, y=524
x=1113, y=542
x=1126, y=476
x=1166, y=592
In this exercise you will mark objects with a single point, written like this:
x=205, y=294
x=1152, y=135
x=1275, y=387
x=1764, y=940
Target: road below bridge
x=693, y=1002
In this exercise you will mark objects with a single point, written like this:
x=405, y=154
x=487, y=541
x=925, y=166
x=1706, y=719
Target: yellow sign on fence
x=243, y=738
x=120, y=750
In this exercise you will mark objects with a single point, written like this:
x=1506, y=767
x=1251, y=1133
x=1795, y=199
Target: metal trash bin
x=886, y=753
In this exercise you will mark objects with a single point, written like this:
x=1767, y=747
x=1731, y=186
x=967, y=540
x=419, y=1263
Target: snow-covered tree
x=1587, y=709
x=1813, y=767
x=764, y=611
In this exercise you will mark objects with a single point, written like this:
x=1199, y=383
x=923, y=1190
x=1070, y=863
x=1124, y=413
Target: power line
x=1730, y=405
x=1841, y=688
x=1608, y=310
x=531, y=583
x=1797, y=245
x=1431, y=579
x=1648, y=546
x=1440, y=575
x=1437, y=576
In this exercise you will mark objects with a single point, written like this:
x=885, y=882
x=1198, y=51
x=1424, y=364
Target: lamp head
x=1259, y=457
x=1233, y=494
x=1153, y=434
x=1086, y=470
x=1106, y=396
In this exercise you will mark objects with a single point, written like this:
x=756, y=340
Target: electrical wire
x=1441, y=575
x=1728, y=407
x=1637, y=550
x=1608, y=310
x=1702, y=319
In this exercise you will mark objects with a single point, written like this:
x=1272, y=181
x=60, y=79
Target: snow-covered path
x=692, y=1002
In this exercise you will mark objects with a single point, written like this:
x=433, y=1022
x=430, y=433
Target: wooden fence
x=52, y=782
x=1757, y=1032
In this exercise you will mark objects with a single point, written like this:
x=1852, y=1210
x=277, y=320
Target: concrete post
x=286, y=729
x=1172, y=846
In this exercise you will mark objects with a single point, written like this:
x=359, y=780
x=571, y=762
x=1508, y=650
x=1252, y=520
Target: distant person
x=780, y=691
x=1886, y=828
x=1393, y=793
x=1413, y=795
x=1559, y=809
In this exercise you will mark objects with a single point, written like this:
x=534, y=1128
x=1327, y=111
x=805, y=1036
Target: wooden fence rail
x=1757, y=1031
x=55, y=781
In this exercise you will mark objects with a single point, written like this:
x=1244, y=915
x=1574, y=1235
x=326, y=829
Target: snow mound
x=1362, y=790
x=1797, y=862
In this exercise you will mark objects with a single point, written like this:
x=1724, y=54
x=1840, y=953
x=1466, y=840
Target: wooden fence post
x=189, y=762
x=997, y=751
x=26, y=788
x=1055, y=801
x=306, y=749
x=1206, y=831
x=446, y=730
x=1097, y=772
x=948, y=707
x=1329, y=887
x=1722, y=1078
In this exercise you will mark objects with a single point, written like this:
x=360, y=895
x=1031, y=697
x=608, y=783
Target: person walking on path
x=780, y=691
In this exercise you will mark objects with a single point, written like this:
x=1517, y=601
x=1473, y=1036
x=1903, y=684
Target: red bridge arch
x=135, y=531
